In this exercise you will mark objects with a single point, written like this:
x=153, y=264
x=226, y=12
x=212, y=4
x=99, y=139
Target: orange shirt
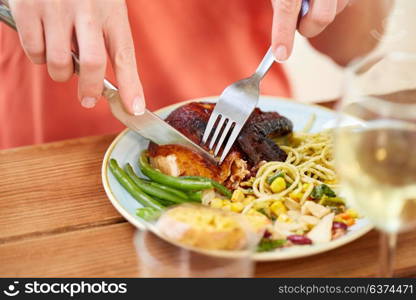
x=185, y=49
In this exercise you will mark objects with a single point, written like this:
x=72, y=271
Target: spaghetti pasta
x=308, y=164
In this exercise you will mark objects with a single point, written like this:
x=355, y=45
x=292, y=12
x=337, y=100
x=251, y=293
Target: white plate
x=127, y=146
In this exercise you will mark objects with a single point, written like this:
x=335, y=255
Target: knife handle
x=108, y=88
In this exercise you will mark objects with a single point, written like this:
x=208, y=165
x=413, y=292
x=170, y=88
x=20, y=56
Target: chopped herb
x=337, y=209
x=266, y=245
x=322, y=190
x=247, y=191
x=331, y=201
x=148, y=213
x=273, y=177
x=262, y=211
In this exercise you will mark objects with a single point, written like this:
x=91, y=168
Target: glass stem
x=387, y=251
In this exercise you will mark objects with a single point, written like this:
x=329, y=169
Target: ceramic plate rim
x=295, y=252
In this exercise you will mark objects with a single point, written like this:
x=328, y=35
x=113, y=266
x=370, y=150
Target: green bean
x=195, y=196
x=148, y=213
x=171, y=181
x=178, y=193
x=131, y=187
x=218, y=186
x=151, y=190
x=166, y=203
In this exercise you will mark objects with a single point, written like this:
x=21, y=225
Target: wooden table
x=55, y=220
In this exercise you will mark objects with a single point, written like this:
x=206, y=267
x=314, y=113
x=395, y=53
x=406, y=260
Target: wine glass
x=194, y=240
x=161, y=259
x=375, y=145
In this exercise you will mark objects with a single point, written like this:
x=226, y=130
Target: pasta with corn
x=298, y=195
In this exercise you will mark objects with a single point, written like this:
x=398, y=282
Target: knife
x=148, y=125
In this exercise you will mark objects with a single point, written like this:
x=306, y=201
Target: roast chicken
x=253, y=146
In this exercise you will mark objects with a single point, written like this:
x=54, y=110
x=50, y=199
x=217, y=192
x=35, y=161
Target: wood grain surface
x=53, y=187
x=108, y=251
x=56, y=221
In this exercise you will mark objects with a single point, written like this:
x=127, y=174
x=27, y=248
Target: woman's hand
x=48, y=28
x=285, y=19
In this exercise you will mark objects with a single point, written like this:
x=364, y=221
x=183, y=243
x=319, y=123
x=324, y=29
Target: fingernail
x=138, y=106
x=280, y=55
x=88, y=102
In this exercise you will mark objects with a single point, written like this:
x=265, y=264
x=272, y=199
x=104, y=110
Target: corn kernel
x=237, y=196
x=331, y=182
x=305, y=187
x=283, y=218
x=309, y=226
x=260, y=205
x=339, y=219
x=227, y=207
x=278, y=185
x=237, y=207
x=299, y=232
x=216, y=203
x=251, y=198
x=248, y=200
x=253, y=212
x=278, y=208
x=352, y=213
x=296, y=195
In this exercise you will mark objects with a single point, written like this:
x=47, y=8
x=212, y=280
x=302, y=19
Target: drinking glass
x=375, y=145
x=160, y=258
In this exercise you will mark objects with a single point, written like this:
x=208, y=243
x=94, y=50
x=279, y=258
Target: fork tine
x=223, y=136
x=210, y=125
x=217, y=132
x=231, y=140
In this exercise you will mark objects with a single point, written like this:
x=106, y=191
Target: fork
x=236, y=104
x=234, y=107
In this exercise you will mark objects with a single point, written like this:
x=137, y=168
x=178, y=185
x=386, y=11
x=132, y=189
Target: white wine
x=377, y=161
x=377, y=169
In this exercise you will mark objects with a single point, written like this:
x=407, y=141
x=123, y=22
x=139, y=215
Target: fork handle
x=265, y=64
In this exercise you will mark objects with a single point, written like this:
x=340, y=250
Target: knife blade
x=148, y=125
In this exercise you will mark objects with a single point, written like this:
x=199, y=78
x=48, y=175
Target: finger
x=285, y=17
x=92, y=57
x=321, y=14
x=121, y=49
x=30, y=29
x=58, y=36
